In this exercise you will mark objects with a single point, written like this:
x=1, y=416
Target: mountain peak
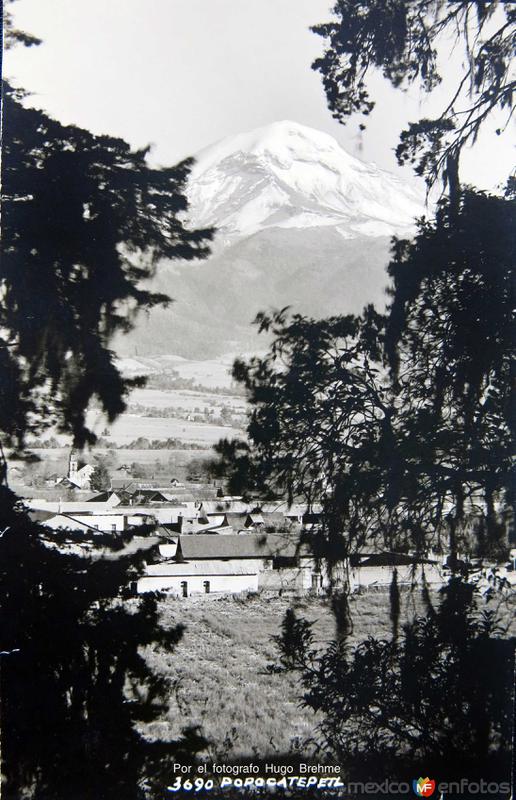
x=284, y=139
x=288, y=175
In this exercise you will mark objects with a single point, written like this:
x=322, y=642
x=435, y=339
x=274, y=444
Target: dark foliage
x=401, y=426
x=13, y=36
x=433, y=696
x=405, y=40
x=84, y=221
x=74, y=681
x=440, y=285
x=100, y=479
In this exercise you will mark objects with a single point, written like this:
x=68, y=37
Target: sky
x=182, y=74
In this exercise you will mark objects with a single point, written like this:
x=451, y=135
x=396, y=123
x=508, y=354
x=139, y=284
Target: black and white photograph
x=257, y=399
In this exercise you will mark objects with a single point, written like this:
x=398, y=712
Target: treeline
x=173, y=380
x=141, y=443
x=178, y=412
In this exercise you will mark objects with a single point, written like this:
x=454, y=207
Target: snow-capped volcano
x=299, y=223
x=286, y=175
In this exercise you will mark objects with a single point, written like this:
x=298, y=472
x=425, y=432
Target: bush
x=438, y=695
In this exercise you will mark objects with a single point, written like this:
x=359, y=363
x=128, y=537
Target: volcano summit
x=286, y=175
x=299, y=222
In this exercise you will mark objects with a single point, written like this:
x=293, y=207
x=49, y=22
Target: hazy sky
x=181, y=74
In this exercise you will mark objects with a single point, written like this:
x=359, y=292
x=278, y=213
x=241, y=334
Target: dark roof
x=246, y=545
x=387, y=559
x=41, y=516
x=122, y=483
x=100, y=498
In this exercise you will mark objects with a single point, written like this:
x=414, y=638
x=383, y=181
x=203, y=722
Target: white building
x=79, y=477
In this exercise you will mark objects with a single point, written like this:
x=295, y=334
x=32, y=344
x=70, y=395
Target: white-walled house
x=210, y=563
x=376, y=569
x=201, y=577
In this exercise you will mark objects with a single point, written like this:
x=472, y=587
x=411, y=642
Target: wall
x=105, y=522
x=230, y=584
x=382, y=576
x=77, y=521
x=291, y=579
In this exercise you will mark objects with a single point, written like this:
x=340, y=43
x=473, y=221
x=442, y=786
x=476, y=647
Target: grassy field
x=129, y=427
x=210, y=374
x=219, y=670
x=199, y=434
x=183, y=398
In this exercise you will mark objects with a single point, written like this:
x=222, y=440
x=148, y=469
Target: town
x=204, y=542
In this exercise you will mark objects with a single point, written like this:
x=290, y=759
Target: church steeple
x=73, y=465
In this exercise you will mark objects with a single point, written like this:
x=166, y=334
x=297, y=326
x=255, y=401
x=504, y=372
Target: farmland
x=193, y=421
x=218, y=671
x=196, y=417
x=129, y=427
x=219, y=676
x=177, y=398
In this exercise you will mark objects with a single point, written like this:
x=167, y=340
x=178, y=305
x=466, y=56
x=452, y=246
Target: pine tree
x=84, y=220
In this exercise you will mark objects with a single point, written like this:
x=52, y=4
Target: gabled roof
x=104, y=497
x=41, y=516
x=150, y=495
x=248, y=545
x=67, y=482
x=172, y=568
x=85, y=469
x=236, y=521
x=69, y=523
x=254, y=519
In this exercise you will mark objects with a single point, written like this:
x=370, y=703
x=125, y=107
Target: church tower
x=73, y=465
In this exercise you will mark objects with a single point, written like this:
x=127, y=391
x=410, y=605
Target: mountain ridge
x=288, y=175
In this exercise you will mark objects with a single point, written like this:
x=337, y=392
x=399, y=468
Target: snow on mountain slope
x=287, y=175
x=299, y=222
